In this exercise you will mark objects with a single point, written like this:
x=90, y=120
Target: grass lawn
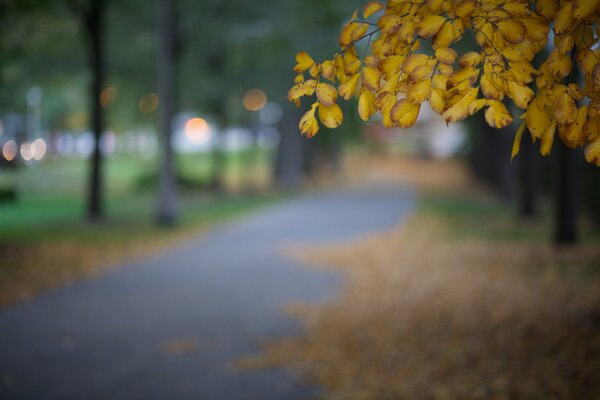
x=461, y=302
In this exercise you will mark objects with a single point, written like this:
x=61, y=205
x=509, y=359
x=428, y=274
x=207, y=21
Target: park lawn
x=461, y=302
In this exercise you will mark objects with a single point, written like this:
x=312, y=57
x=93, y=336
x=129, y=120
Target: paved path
x=170, y=326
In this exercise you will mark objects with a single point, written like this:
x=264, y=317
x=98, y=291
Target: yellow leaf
x=488, y=88
x=304, y=62
x=439, y=81
x=469, y=59
x=460, y=110
x=314, y=70
x=547, y=8
x=584, y=8
x=406, y=31
x=418, y=92
x=328, y=70
x=477, y=105
x=302, y=89
x=497, y=116
x=299, y=78
x=326, y=94
x=430, y=25
x=596, y=77
x=565, y=110
x=517, y=8
x=445, y=36
x=330, y=116
x=345, y=37
x=592, y=152
x=465, y=9
x=366, y=105
x=522, y=71
x=469, y=74
x=559, y=64
x=370, y=78
x=572, y=134
x=521, y=95
x=563, y=18
x=413, y=61
x=390, y=65
x=347, y=89
x=446, y=55
x=537, y=119
x=548, y=139
x=517, y=142
x=564, y=43
x=405, y=113
x=359, y=31
x=308, y=123
x=513, y=30
x=436, y=101
x=372, y=8
x=389, y=23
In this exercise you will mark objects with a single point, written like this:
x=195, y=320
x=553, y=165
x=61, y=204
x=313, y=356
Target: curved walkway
x=170, y=326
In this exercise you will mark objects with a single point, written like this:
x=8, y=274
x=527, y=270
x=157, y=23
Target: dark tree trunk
x=167, y=196
x=289, y=161
x=567, y=195
x=94, y=23
x=528, y=178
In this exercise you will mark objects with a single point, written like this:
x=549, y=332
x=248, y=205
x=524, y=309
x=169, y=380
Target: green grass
x=477, y=215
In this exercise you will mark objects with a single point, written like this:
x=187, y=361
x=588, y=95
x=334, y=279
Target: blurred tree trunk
x=167, y=196
x=528, y=178
x=94, y=25
x=567, y=188
x=567, y=194
x=289, y=161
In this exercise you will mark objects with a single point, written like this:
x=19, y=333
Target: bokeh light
x=197, y=130
x=39, y=148
x=148, y=103
x=27, y=151
x=108, y=96
x=9, y=150
x=255, y=100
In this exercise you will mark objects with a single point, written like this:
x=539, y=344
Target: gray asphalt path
x=169, y=327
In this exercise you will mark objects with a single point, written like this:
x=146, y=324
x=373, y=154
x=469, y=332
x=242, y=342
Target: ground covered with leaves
x=461, y=302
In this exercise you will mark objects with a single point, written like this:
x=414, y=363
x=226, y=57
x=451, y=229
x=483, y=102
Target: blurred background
x=118, y=118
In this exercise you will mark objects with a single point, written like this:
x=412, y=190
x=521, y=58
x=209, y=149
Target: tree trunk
x=567, y=195
x=528, y=178
x=290, y=151
x=167, y=197
x=95, y=30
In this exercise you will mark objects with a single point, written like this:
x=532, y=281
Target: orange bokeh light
x=255, y=100
x=197, y=130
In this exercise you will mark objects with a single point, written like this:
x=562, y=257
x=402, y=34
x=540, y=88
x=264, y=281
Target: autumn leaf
x=418, y=92
x=460, y=110
x=306, y=88
x=347, y=89
x=308, y=123
x=330, y=116
x=565, y=109
x=326, y=94
x=405, y=113
x=366, y=105
x=592, y=152
x=304, y=62
x=372, y=8
x=497, y=116
x=517, y=142
x=430, y=25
